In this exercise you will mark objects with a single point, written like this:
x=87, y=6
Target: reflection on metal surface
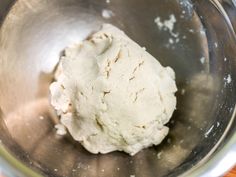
x=32, y=37
x=227, y=159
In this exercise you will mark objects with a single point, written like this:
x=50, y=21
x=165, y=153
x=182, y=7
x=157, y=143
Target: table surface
x=232, y=173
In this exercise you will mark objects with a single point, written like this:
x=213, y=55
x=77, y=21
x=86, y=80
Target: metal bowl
x=202, y=139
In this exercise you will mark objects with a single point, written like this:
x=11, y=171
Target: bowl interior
x=32, y=37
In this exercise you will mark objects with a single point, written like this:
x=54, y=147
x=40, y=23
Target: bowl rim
x=214, y=163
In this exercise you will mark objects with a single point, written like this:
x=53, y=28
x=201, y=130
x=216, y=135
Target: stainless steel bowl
x=202, y=139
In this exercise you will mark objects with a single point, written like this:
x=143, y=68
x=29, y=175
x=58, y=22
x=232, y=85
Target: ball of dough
x=113, y=95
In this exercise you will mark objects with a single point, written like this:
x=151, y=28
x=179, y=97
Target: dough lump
x=113, y=95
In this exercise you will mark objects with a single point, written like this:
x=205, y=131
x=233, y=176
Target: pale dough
x=113, y=95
